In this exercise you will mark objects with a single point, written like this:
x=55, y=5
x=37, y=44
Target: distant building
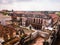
x=5, y=19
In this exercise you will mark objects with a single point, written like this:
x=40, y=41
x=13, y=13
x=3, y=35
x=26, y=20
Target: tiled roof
x=5, y=29
x=18, y=12
x=53, y=15
x=29, y=12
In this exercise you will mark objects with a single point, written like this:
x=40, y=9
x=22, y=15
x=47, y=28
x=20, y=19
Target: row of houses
x=26, y=18
x=35, y=18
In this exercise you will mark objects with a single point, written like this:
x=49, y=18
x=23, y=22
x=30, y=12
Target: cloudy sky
x=30, y=5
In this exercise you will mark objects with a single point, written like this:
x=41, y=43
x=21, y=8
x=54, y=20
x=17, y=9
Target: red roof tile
x=53, y=15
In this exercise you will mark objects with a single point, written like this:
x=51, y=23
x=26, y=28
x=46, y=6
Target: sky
x=30, y=5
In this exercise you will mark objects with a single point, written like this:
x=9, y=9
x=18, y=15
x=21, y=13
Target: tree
x=5, y=13
x=58, y=13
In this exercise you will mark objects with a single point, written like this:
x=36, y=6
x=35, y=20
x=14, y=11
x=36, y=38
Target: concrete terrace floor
x=39, y=41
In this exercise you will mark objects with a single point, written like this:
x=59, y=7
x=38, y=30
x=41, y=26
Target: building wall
x=35, y=22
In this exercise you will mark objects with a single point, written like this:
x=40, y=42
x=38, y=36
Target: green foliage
x=58, y=14
x=5, y=13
